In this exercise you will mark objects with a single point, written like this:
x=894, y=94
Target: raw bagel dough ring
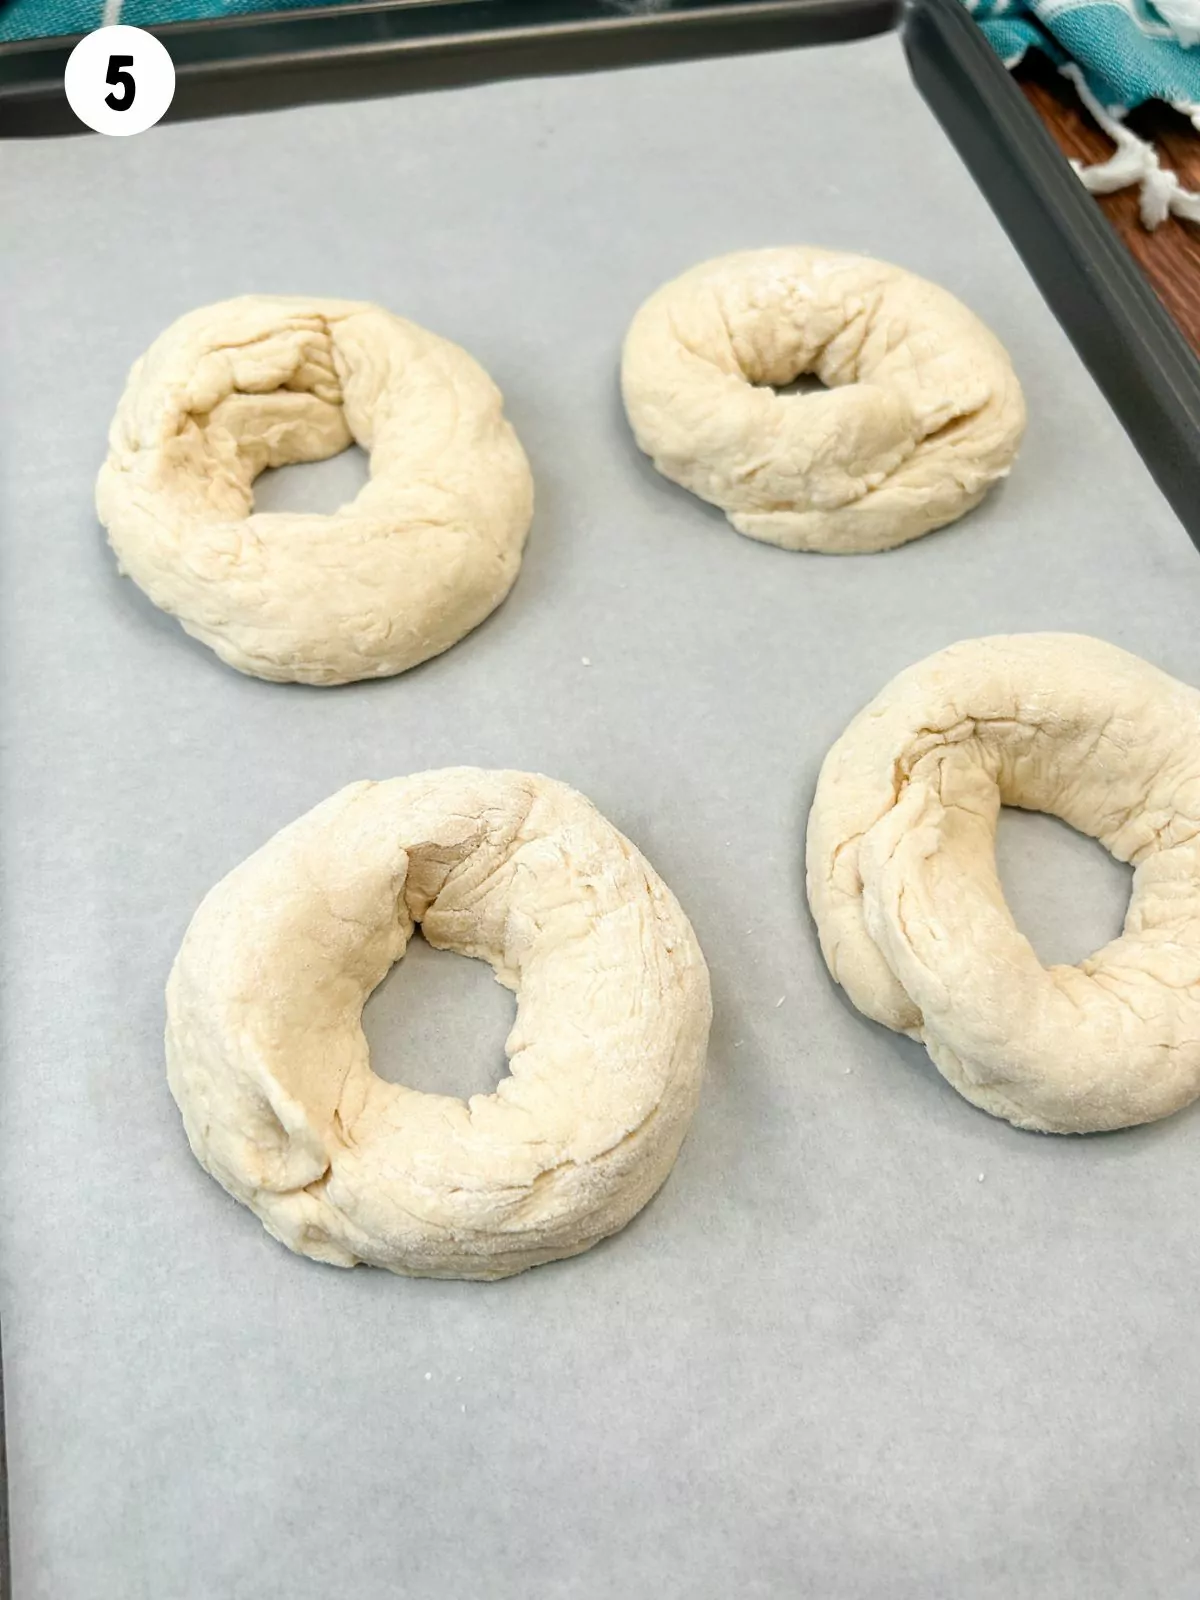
x=267, y=1060
x=427, y=549
x=912, y=919
x=923, y=411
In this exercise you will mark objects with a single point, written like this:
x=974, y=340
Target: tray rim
x=1131, y=345
x=335, y=39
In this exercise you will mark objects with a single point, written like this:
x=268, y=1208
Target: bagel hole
x=1067, y=895
x=438, y=1023
x=805, y=383
x=316, y=487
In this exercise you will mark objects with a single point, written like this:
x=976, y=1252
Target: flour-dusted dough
x=267, y=1059
x=903, y=886
x=923, y=411
x=429, y=547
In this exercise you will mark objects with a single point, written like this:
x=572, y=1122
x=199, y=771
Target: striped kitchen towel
x=49, y=19
x=1118, y=54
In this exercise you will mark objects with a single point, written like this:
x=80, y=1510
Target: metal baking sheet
x=867, y=1342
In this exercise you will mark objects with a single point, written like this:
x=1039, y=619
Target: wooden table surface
x=1170, y=257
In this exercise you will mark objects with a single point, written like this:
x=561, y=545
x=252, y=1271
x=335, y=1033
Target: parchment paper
x=868, y=1344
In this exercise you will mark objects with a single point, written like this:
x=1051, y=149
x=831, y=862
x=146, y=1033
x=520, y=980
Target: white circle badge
x=119, y=80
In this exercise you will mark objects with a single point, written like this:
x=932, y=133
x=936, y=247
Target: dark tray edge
x=1125, y=336
x=280, y=59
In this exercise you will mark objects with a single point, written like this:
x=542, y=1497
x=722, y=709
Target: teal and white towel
x=1118, y=54
x=50, y=19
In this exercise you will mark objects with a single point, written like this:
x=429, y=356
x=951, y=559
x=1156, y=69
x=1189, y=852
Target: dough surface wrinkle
x=912, y=919
x=426, y=550
x=267, y=1059
x=922, y=411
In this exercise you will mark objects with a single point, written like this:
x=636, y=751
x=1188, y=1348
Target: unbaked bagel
x=267, y=1059
x=923, y=411
x=429, y=547
x=912, y=919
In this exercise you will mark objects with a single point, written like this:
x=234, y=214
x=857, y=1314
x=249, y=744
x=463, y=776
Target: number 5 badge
x=119, y=80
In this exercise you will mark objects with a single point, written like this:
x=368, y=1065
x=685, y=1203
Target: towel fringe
x=1135, y=160
x=1183, y=19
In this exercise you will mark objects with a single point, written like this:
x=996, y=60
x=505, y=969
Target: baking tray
x=867, y=1342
